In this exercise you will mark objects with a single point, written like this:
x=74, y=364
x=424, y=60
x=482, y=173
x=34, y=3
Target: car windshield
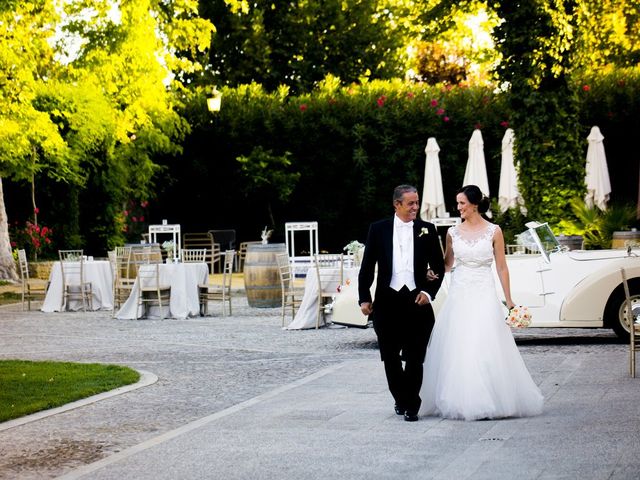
x=539, y=238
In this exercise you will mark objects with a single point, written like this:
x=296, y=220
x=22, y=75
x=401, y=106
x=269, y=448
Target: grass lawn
x=10, y=297
x=28, y=387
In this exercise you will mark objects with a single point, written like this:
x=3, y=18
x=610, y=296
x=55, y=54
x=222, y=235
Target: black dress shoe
x=410, y=417
x=399, y=410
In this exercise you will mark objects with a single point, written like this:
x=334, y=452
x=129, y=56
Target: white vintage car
x=577, y=288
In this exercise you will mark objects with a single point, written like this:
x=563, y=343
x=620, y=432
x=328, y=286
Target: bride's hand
x=432, y=276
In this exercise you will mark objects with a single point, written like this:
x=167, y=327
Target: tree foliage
x=27, y=133
x=607, y=34
x=89, y=97
x=269, y=176
x=298, y=43
x=455, y=44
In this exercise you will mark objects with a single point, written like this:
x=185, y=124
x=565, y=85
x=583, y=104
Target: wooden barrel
x=261, y=277
x=620, y=238
x=573, y=242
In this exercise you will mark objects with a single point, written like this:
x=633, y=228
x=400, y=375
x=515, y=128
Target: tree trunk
x=33, y=200
x=7, y=263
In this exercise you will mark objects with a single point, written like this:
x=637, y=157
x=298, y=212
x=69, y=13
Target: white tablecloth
x=184, y=279
x=307, y=313
x=98, y=272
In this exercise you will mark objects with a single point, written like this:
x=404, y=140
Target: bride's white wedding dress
x=473, y=369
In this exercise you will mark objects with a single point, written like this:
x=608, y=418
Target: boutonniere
x=424, y=231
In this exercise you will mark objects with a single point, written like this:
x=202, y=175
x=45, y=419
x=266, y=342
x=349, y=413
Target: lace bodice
x=473, y=249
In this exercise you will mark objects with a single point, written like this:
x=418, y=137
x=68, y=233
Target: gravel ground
x=203, y=365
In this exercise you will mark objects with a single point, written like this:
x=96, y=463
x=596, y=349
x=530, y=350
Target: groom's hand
x=366, y=308
x=422, y=299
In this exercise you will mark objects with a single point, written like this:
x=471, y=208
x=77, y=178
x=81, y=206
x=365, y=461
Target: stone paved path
x=207, y=365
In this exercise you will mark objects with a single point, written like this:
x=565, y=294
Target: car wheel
x=615, y=313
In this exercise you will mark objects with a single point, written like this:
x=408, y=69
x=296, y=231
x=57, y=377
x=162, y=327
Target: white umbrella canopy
x=508, y=193
x=432, y=194
x=476, y=171
x=597, y=174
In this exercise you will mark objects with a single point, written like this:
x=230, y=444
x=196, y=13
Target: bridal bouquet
x=518, y=317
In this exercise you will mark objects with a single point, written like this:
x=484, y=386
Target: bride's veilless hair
x=475, y=197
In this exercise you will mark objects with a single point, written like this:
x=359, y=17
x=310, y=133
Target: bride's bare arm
x=448, y=254
x=501, y=266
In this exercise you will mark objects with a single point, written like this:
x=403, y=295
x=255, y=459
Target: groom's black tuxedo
x=403, y=327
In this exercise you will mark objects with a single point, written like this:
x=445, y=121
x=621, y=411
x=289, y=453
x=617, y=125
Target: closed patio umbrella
x=508, y=193
x=597, y=174
x=476, y=171
x=432, y=193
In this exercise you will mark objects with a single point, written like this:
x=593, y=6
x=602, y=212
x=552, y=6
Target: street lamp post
x=214, y=101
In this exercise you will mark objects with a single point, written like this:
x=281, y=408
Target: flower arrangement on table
x=518, y=317
x=265, y=235
x=353, y=246
x=170, y=248
x=354, y=249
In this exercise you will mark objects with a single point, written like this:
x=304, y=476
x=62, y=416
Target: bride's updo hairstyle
x=475, y=197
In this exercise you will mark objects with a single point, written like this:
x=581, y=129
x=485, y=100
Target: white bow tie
x=405, y=225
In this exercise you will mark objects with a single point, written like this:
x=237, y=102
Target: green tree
x=140, y=58
x=299, y=43
x=454, y=44
x=607, y=34
x=89, y=100
x=269, y=176
x=29, y=141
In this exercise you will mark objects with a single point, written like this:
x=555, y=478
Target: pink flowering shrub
x=134, y=220
x=35, y=239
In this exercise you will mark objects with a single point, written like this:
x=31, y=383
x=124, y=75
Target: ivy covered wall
x=352, y=145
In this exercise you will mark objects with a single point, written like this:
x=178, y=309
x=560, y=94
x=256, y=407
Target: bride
x=473, y=369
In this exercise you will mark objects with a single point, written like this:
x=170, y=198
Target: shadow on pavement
x=585, y=339
x=578, y=336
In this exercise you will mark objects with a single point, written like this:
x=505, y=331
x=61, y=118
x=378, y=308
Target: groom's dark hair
x=400, y=190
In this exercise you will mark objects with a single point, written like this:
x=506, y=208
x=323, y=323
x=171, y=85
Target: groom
x=404, y=248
